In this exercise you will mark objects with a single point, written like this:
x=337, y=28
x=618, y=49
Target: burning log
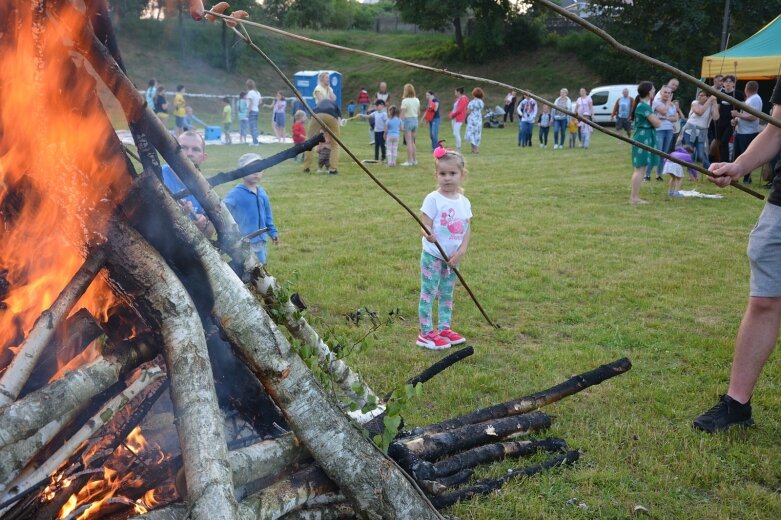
x=32, y=476
x=139, y=270
x=78, y=331
x=21, y=367
x=15, y=457
x=24, y=417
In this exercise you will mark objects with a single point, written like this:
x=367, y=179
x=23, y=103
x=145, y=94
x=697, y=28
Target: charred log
x=78, y=331
x=488, y=486
x=437, y=445
x=258, y=166
x=531, y=402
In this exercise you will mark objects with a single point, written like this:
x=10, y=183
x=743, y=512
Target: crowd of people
x=713, y=130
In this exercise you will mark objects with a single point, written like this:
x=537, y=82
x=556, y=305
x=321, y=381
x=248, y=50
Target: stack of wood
x=193, y=326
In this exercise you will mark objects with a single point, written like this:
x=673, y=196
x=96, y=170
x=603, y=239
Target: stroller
x=491, y=118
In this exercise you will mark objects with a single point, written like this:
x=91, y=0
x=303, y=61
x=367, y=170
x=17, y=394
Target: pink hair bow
x=440, y=151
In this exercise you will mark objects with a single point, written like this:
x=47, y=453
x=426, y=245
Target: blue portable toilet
x=306, y=81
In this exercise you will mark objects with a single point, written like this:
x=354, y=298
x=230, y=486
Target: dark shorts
x=623, y=124
x=279, y=119
x=764, y=253
x=180, y=122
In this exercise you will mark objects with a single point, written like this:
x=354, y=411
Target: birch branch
x=22, y=418
x=15, y=457
x=21, y=367
x=148, y=127
x=288, y=316
x=31, y=476
x=138, y=269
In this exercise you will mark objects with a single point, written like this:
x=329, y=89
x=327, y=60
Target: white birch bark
x=21, y=367
x=15, y=457
x=310, y=486
x=265, y=459
x=139, y=270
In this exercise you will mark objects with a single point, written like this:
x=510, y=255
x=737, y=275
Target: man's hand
x=275, y=241
x=725, y=173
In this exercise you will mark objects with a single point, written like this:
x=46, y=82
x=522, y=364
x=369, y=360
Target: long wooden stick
x=259, y=165
x=42, y=332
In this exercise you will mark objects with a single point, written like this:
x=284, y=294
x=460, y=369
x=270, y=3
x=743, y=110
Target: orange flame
x=58, y=182
x=102, y=492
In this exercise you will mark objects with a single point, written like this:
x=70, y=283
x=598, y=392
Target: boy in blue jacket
x=251, y=208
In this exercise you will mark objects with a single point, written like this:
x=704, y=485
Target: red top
x=299, y=132
x=459, y=112
x=363, y=97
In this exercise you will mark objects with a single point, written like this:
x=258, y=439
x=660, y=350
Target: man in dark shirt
x=724, y=128
x=758, y=331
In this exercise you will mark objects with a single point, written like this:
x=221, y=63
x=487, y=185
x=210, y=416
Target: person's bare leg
x=755, y=342
x=637, y=181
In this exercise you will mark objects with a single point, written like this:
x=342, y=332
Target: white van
x=605, y=98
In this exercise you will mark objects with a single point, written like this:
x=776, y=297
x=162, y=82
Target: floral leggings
x=437, y=281
x=393, y=150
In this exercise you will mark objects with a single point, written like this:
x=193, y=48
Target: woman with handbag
x=704, y=109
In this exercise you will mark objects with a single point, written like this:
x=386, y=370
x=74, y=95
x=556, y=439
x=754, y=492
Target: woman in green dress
x=646, y=124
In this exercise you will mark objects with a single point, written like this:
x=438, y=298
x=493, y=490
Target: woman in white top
x=560, y=118
x=323, y=89
x=704, y=110
x=410, y=111
x=584, y=108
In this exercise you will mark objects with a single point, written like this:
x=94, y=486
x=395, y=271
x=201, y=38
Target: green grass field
x=576, y=277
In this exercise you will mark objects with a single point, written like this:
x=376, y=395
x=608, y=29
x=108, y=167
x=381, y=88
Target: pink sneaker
x=452, y=336
x=432, y=341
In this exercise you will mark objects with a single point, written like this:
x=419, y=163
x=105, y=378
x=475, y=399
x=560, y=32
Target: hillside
x=152, y=49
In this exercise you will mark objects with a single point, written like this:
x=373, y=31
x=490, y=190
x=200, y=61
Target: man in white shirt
x=253, y=108
x=746, y=125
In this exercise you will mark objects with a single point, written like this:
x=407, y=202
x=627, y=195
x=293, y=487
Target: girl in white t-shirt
x=447, y=215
